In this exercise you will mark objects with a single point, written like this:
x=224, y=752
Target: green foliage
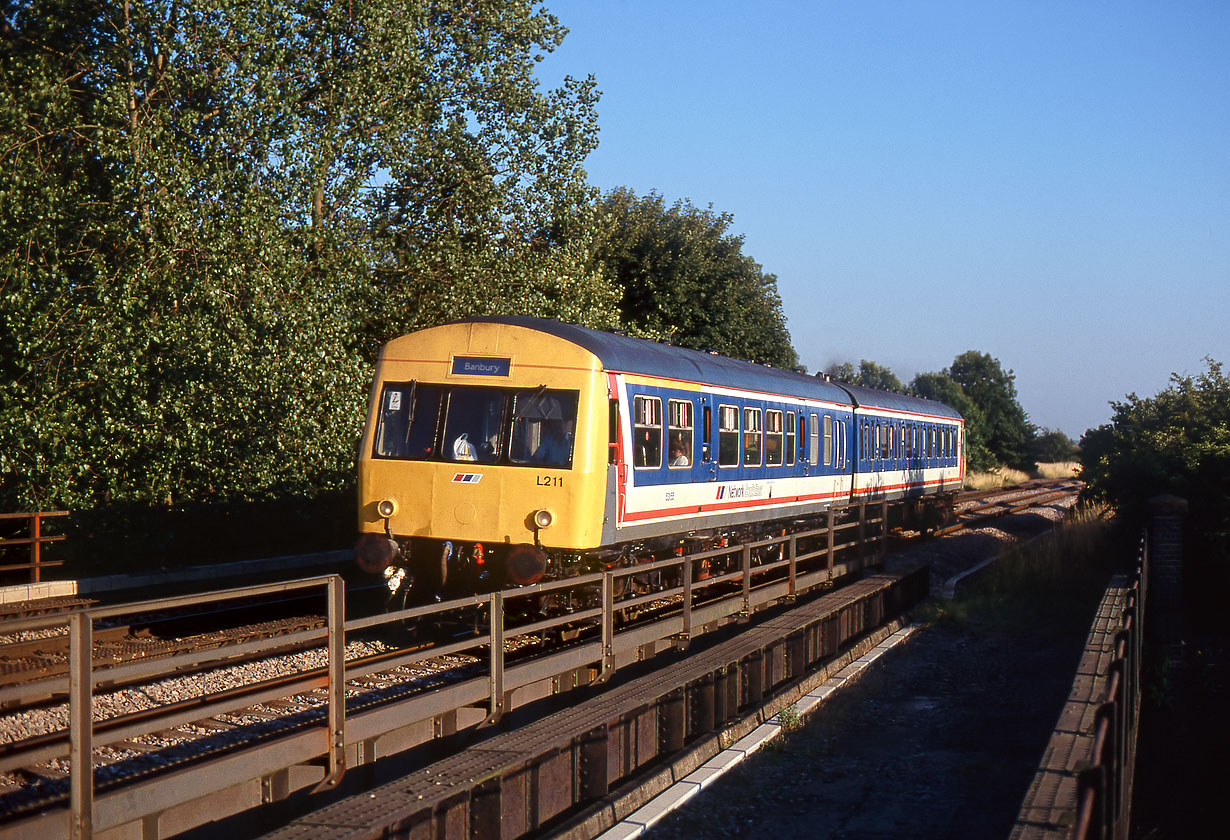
x=1051, y=446
x=1176, y=442
x=943, y=388
x=1002, y=423
x=213, y=212
x=868, y=375
x=684, y=277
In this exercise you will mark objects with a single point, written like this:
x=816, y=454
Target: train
x=503, y=451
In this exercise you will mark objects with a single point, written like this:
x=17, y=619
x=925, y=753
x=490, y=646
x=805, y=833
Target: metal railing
x=691, y=599
x=1104, y=787
x=35, y=541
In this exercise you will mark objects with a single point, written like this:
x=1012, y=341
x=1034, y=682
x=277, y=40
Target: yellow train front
x=485, y=444
x=501, y=451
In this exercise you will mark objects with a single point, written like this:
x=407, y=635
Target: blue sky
x=1045, y=182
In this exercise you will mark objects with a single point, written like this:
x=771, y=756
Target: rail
x=35, y=540
x=325, y=739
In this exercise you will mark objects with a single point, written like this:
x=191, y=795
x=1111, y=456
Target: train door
x=708, y=418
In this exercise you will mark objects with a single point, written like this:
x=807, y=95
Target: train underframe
x=418, y=571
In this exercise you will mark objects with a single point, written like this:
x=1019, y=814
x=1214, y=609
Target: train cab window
x=752, y=422
x=828, y=440
x=543, y=425
x=679, y=433
x=813, y=448
x=646, y=432
x=472, y=422
x=773, y=438
x=406, y=427
x=728, y=436
x=790, y=438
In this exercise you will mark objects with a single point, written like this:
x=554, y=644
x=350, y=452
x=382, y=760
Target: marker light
x=543, y=518
x=386, y=508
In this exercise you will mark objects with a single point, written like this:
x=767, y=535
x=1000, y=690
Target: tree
x=1051, y=446
x=1003, y=423
x=868, y=375
x=943, y=388
x=683, y=277
x=1176, y=442
x=214, y=212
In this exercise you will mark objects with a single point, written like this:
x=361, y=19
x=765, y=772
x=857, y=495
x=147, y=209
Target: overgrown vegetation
x=212, y=214
x=1176, y=442
x=1058, y=575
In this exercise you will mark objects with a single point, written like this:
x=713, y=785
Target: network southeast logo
x=746, y=491
x=467, y=478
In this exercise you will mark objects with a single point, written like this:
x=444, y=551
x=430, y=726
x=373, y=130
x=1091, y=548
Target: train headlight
x=393, y=577
x=386, y=508
x=543, y=518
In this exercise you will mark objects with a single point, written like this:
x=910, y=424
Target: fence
x=35, y=541
x=1082, y=790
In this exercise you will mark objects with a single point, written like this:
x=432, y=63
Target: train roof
x=625, y=354
x=637, y=355
x=873, y=398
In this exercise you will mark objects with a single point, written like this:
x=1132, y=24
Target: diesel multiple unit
x=499, y=451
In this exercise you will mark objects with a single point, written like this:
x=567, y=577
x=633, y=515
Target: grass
x=1006, y=476
x=1056, y=576
x=1003, y=477
x=1063, y=469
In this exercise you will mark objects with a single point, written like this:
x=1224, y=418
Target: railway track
x=979, y=507
x=200, y=721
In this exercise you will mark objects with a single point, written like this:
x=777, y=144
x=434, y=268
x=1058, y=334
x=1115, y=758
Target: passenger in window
x=679, y=453
x=555, y=445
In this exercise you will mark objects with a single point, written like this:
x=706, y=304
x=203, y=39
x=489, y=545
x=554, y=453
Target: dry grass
x=1003, y=477
x=1006, y=476
x=1063, y=469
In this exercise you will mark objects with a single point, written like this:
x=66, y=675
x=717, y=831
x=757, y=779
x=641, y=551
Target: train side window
x=728, y=436
x=813, y=449
x=646, y=432
x=680, y=433
x=752, y=421
x=790, y=438
x=773, y=438
x=828, y=440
